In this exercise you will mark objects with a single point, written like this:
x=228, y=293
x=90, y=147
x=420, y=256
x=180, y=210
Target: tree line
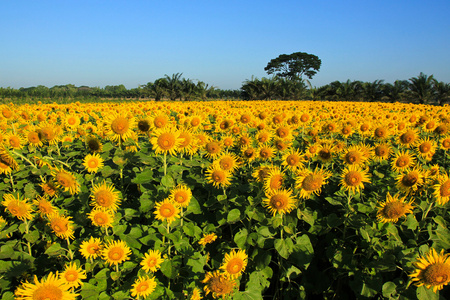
x=422, y=89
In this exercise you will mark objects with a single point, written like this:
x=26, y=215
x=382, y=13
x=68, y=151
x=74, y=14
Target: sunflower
x=19, y=208
x=261, y=172
x=160, y=121
x=227, y=161
x=381, y=133
x=283, y=132
x=7, y=162
x=402, y=161
x=426, y=148
x=61, y=225
x=15, y=141
x=187, y=144
x=234, y=263
x=105, y=196
x=279, y=201
x=207, y=239
x=274, y=179
x=213, y=149
x=49, y=133
x=264, y=136
x=281, y=145
x=228, y=141
x=119, y=127
x=293, y=160
x=66, y=180
x=45, y=206
x=410, y=181
x=94, y=144
x=166, y=140
x=93, y=162
x=143, y=286
x=445, y=143
x=266, y=152
x=353, y=178
x=116, y=252
x=218, y=284
x=249, y=154
x=181, y=195
x=393, y=208
x=217, y=176
x=166, y=211
x=51, y=287
x=442, y=189
x=196, y=294
x=353, y=155
x=143, y=126
x=73, y=275
x=92, y=248
x=382, y=152
x=72, y=121
x=432, y=270
x=325, y=154
x=310, y=182
x=101, y=217
x=33, y=139
x=152, y=261
x=408, y=138
x=49, y=188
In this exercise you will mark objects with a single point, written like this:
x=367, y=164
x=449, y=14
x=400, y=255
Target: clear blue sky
x=223, y=43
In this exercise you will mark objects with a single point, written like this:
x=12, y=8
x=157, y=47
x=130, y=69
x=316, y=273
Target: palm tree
x=372, y=91
x=442, y=91
x=422, y=87
x=395, y=92
x=173, y=87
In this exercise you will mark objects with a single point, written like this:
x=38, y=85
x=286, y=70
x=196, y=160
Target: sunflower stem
x=68, y=248
x=165, y=163
x=27, y=226
x=168, y=231
x=12, y=182
x=117, y=268
x=427, y=211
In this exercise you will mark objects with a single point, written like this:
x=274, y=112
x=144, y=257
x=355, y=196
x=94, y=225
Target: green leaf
x=8, y=296
x=167, y=181
x=32, y=236
x=143, y=177
x=302, y=252
x=234, y=215
x=333, y=201
x=194, y=207
x=54, y=250
x=6, y=251
x=388, y=289
x=169, y=268
x=423, y=293
x=102, y=274
x=197, y=262
x=120, y=295
x=30, y=192
x=284, y=247
x=240, y=238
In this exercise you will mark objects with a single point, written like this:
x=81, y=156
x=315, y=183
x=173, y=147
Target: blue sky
x=223, y=43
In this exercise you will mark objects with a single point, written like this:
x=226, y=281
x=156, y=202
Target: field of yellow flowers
x=225, y=200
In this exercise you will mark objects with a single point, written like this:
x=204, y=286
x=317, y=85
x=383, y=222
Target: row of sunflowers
x=230, y=200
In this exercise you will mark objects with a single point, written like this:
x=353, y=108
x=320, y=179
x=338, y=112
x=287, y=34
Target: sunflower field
x=224, y=200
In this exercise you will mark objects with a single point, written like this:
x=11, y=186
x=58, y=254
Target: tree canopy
x=294, y=66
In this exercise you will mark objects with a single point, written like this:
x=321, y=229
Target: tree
x=422, y=87
x=294, y=66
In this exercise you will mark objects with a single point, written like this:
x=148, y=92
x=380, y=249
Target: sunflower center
x=167, y=210
x=282, y=132
x=226, y=163
x=220, y=285
x=212, y=148
x=100, y=218
x=143, y=286
x=292, y=159
x=425, y=147
x=249, y=153
x=218, y=176
x=407, y=137
x=276, y=181
x=381, y=151
x=353, y=157
x=59, y=226
x=436, y=274
x=264, y=153
x=410, y=179
x=444, y=190
x=93, y=249
x=353, y=178
x=234, y=266
x=402, y=161
x=104, y=198
x=325, y=154
x=64, y=179
x=48, y=292
x=143, y=125
x=116, y=253
x=71, y=275
x=380, y=132
x=120, y=125
x=278, y=201
x=166, y=141
x=93, y=163
x=393, y=210
x=312, y=182
x=14, y=141
x=72, y=121
x=446, y=143
x=151, y=262
x=180, y=197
